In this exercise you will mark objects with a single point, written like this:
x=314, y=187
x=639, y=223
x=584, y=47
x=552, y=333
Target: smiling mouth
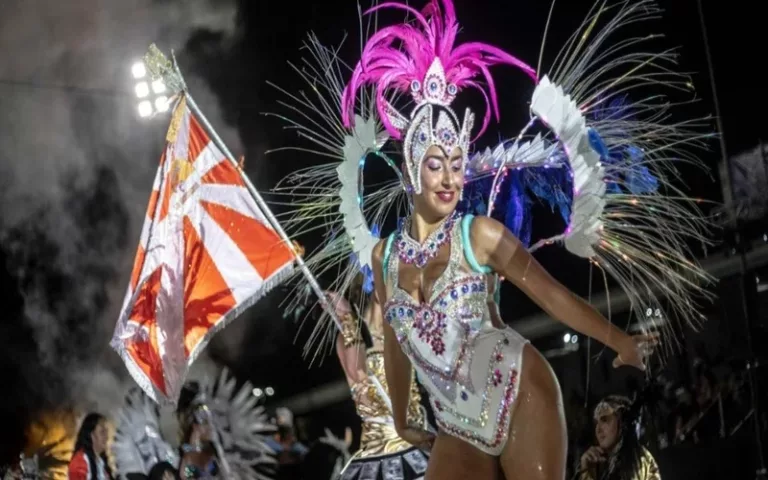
x=446, y=197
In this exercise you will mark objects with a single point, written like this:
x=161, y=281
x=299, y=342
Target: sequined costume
x=470, y=368
x=382, y=453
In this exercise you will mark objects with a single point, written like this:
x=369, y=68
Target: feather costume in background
x=138, y=443
x=241, y=427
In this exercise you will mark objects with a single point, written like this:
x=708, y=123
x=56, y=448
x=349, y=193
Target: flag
x=206, y=253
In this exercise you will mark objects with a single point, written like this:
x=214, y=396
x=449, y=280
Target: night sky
x=68, y=282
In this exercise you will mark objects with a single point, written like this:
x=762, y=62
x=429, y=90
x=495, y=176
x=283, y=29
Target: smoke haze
x=76, y=169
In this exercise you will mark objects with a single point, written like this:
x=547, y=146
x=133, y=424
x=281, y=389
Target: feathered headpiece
x=420, y=59
x=609, y=171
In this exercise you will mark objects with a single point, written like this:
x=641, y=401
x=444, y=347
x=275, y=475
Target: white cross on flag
x=206, y=253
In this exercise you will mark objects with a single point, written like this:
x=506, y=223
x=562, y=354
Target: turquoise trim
x=497, y=291
x=387, y=253
x=466, y=222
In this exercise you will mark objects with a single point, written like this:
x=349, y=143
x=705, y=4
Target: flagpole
x=217, y=439
x=267, y=212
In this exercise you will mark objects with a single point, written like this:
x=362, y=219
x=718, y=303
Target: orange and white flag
x=206, y=253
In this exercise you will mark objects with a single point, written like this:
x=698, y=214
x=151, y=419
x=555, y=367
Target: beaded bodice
x=468, y=366
x=436, y=333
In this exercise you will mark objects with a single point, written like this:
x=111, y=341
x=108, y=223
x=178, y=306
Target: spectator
x=89, y=462
x=685, y=414
x=290, y=452
x=618, y=454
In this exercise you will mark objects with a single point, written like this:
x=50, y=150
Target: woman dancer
x=198, y=453
x=89, y=462
x=382, y=452
x=496, y=401
x=224, y=431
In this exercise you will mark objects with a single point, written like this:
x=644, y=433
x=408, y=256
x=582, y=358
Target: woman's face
x=99, y=438
x=607, y=431
x=201, y=432
x=442, y=179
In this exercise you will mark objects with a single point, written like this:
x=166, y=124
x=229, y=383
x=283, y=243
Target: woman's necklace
x=413, y=253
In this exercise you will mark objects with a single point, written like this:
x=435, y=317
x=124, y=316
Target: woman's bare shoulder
x=485, y=234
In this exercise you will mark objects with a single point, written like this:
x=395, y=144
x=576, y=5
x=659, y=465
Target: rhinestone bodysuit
x=469, y=367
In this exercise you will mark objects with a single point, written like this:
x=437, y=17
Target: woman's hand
x=417, y=437
x=592, y=457
x=635, y=349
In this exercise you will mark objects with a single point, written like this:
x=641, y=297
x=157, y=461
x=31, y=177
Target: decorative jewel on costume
x=497, y=377
x=196, y=448
x=413, y=253
x=431, y=327
x=350, y=331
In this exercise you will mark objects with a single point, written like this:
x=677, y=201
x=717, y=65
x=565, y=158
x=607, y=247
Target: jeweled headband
x=612, y=404
x=420, y=59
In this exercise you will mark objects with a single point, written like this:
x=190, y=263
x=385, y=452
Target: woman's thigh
x=538, y=442
x=452, y=458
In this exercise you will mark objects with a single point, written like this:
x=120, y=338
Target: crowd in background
x=713, y=403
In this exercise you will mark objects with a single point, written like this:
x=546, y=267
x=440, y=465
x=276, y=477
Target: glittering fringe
x=644, y=240
x=312, y=194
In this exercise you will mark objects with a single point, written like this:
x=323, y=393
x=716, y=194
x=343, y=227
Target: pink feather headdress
x=420, y=59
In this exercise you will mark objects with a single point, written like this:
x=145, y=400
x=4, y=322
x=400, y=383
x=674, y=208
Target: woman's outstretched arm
x=498, y=248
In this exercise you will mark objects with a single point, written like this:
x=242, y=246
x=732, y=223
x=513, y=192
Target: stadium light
x=139, y=70
x=152, y=94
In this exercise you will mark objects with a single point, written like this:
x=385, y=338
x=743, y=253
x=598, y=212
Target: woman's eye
x=434, y=166
x=456, y=166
